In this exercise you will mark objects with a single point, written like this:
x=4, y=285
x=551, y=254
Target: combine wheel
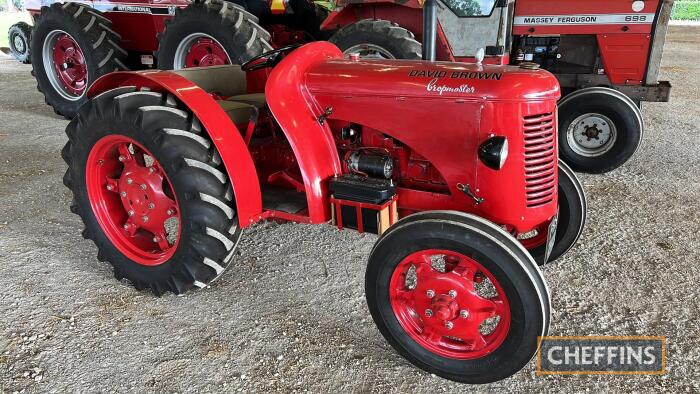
x=377, y=39
x=210, y=33
x=151, y=190
x=72, y=46
x=599, y=129
x=19, y=37
x=457, y=296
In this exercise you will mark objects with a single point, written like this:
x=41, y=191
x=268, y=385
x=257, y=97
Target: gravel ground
x=291, y=314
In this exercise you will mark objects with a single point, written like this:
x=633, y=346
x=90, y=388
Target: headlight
x=493, y=152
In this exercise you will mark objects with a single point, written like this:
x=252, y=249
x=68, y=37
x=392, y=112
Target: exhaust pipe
x=429, y=29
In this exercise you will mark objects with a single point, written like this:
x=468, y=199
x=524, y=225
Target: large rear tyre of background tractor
x=457, y=296
x=19, y=37
x=151, y=190
x=210, y=33
x=599, y=129
x=571, y=220
x=377, y=39
x=72, y=46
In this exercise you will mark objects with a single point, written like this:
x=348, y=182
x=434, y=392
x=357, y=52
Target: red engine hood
x=403, y=78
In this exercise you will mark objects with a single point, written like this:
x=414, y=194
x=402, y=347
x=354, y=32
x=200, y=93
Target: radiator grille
x=540, y=159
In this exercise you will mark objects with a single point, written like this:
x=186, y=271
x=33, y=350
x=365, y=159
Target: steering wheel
x=272, y=58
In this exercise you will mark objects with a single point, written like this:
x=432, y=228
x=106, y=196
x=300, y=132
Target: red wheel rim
x=445, y=310
x=133, y=200
x=69, y=64
x=205, y=52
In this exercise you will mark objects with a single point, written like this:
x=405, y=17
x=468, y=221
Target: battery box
x=362, y=203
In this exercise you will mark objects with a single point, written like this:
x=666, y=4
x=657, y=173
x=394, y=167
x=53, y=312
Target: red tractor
x=75, y=43
x=167, y=168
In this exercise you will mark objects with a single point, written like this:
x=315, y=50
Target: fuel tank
x=403, y=78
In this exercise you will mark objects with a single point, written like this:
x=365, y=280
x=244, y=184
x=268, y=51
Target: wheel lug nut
x=126, y=226
x=449, y=325
x=122, y=158
x=464, y=313
x=151, y=170
x=151, y=205
x=110, y=187
x=123, y=194
x=428, y=312
x=145, y=219
x=452, y=294
x=169, y=212
x=129, y=181
x=156, y=239
x=131, y=213
x=143, y=186
x=430, y=293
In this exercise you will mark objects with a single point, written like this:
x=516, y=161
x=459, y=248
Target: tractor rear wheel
x=72, y=46
x=599, y=129
x=378, y=39
x=19, y=37
x=151, y=191
x=457, y=296
x=571, y=219
x=210, y=33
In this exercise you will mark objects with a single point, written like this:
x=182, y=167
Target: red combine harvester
x=168, y=167
x=606, y=56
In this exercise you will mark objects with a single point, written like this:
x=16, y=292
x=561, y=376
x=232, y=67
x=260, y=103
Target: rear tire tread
x=210, y=215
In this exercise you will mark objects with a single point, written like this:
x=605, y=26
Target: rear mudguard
x=226, y=137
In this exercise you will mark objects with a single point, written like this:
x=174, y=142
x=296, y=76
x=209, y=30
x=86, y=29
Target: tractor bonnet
x=401, y=78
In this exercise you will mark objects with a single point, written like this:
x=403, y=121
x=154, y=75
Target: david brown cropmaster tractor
x=459, y=175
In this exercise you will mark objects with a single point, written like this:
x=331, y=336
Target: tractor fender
x=339, y=19
x=300, y=117
x=225, y=135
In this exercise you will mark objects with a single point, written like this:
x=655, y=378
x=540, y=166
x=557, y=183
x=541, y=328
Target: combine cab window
x=464, y=8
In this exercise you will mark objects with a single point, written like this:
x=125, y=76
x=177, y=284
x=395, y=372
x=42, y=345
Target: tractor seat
x=243, y=108
x=257, y=100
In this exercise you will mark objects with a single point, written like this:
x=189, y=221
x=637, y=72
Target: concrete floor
x=291, y=314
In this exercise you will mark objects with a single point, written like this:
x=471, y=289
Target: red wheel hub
x=445, y=311
x=205, y=52
x=133, y=200
x=70, y=66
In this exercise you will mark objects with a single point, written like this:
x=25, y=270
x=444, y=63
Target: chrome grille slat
x=539, y=138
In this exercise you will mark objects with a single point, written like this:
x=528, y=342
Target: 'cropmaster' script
x=440, y=89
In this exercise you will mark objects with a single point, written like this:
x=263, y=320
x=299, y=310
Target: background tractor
x=167, y=168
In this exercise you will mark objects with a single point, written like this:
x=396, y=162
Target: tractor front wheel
x=377, y=39
x=457, y=296
x=151, y=190
x=210, y=33
x=19, y=37
x=599, y=129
